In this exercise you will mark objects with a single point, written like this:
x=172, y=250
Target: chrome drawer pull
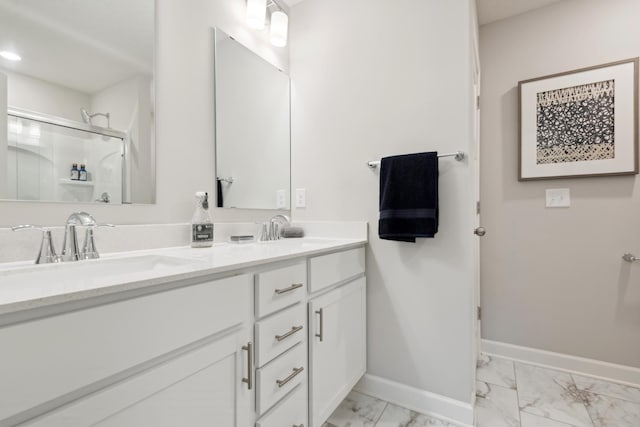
x=293, y=330
x=289, y=289
x=281, y=383
x=321, y=334
x=249, y=379
x=301, y=425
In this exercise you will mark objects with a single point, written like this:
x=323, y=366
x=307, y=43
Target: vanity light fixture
x=11, y=56
x=256, y=13
x=256, y=17
x=279, y=28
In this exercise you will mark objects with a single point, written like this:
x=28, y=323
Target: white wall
x=553, y=279
x=129, y=105
x=372, y=78
x=185, y=130
x=38, y=95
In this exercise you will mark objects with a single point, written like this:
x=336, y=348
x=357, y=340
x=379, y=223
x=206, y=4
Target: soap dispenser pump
x=201, y=225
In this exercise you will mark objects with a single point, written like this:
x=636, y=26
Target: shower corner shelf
x=67, y=181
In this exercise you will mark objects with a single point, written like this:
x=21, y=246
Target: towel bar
x=459, y=156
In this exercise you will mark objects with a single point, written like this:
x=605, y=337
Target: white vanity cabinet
x=273, y=344
x=157, y=359
x=337, y=330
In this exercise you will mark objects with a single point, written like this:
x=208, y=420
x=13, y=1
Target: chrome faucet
x=70, y=249
x=275, y=224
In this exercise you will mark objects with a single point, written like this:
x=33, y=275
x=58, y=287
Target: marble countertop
x=25, y=286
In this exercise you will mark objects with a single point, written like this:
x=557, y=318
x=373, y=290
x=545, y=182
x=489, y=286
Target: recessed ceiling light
x=11, y=56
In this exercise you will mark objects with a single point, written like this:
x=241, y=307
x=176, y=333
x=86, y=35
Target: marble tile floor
x=359, y=410
x=512, y=394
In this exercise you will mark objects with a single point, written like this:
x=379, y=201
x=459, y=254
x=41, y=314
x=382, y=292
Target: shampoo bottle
x=82, y=175
x=75, y=173
x=201, y=225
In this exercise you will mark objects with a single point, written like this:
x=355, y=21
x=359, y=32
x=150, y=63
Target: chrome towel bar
x=458, y=155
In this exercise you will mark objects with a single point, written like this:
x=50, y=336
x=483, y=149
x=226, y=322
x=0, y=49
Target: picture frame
x=579, y=123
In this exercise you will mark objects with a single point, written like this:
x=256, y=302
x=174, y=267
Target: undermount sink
x=100, y=269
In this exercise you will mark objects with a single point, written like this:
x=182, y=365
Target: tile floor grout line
x=386, y=405
x=583, y=403
x=515, y=380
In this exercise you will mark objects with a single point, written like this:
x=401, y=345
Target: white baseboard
x=564, y=362
x=421, y=401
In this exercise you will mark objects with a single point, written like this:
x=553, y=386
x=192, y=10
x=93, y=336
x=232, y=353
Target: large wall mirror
x=82, y=93
x=252, y=106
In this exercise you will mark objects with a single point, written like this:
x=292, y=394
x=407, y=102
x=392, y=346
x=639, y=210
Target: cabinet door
x=200, y=388
x=337, y=347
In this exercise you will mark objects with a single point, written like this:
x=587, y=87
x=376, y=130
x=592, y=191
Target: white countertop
x=26, y=286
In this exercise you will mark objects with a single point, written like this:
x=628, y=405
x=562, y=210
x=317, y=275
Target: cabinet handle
x=249, y=379
x=293, y=330
x=298, y=425
x=295, y=372
x=289, y=289
x=321, y=334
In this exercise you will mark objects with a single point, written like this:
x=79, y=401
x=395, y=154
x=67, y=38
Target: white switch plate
x=281, y=202
x=301, y=197
x=558, y=198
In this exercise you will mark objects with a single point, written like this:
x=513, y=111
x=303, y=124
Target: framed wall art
x=580, y=123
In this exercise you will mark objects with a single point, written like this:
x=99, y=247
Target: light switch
x=281, y=202
x=558, y=198
x=301, y=198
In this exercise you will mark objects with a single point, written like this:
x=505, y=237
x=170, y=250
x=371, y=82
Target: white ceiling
x=84, y=45
x=493, y=10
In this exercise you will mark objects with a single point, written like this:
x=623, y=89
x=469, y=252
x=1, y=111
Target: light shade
x=279, y=28
x=11, y=56
x=256, y=13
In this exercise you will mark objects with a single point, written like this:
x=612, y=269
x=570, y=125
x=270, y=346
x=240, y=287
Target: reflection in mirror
x=81, y=94
x=252, y=129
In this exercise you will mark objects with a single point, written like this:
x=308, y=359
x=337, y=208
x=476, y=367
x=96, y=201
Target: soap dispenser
x=201, y=225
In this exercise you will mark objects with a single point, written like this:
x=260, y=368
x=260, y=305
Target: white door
x=200, y=388
x=337, y=347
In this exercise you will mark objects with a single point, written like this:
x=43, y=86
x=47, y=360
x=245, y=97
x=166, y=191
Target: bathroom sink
x=101, y=269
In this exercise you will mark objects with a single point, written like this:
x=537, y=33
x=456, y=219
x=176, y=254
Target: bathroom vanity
x=237, y=335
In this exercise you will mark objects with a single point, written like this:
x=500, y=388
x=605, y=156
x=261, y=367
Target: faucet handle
x=47, y=252
x=89, y=250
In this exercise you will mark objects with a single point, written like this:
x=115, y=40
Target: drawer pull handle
x=298, y=425
x=289, y=289
x=295, y=372
x=321, y=334
x=249, y=379
x=293, y=330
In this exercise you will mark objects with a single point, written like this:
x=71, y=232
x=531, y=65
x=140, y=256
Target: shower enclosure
x=41, y=150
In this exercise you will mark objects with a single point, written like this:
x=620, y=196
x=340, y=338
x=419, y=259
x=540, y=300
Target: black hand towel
x=219, y=198
x=408, y=197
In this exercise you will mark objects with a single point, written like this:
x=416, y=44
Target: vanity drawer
x=327, y=270
x=292, y=411
x=280, y=288
x=276, y=379
x=280, y=332
x=46, y=358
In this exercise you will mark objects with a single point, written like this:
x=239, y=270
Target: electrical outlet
x=558, y=198
x=301, y=198
x=281, y=202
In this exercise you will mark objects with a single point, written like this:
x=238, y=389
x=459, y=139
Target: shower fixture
x=86, y=116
